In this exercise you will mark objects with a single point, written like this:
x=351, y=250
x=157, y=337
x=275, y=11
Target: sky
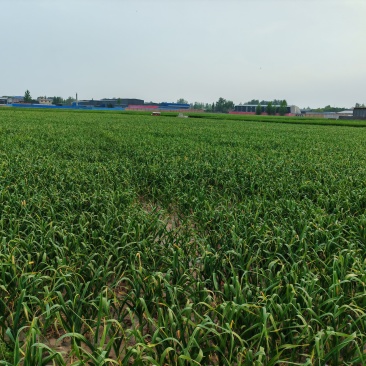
x=309, y=52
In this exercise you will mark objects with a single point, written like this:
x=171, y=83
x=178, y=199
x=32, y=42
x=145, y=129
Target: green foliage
x=273, y=119
x=264, y=102
x=69, y=101
x=27, y=97
x=270, y=109
x=57, y=100
x=198, y=105
x=253, y=102
x=258, y=110
x=182, y=101
x=358, y=105
x=283, y=108
x=223, y=105
x=133, y=240
x=208, y=107
x=328, y=108
x=5, y=353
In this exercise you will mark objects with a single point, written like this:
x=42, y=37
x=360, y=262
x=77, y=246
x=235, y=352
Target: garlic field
x=137, y=240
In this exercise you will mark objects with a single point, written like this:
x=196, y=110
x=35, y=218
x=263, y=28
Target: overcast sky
x=310, y=52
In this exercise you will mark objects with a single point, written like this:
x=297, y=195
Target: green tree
x=229, y=106
x=208, y=107
x=253, y=102
x=270, y=108
x=328, y=108
x=258, y=109
x=283, y=108
x=220, y=104
x=223, y=105
x=198, y=105
x=57, y=100
x=182, y=101
x=27, y=97
x=69, y=101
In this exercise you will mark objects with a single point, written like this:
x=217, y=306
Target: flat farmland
x=137, y=240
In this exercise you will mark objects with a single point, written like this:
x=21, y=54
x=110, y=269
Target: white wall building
x=44, y=100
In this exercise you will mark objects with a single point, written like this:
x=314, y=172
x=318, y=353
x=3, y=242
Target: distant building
x=109, y=103
x=12, y=99
x=251, y=109
x=347, y=114
x=3, y=100
x=44, y=100
x=143, y=107
x=331, y=115
x=165, y=106
x=16, y=99
x=359, y=113
x=173, y=106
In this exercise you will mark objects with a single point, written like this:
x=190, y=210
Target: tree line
x=328, y=108
x=224, y=106
x=60, y=100
x=220, y=106
x=276, y=106
x=272, y=108
x=55, y=100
